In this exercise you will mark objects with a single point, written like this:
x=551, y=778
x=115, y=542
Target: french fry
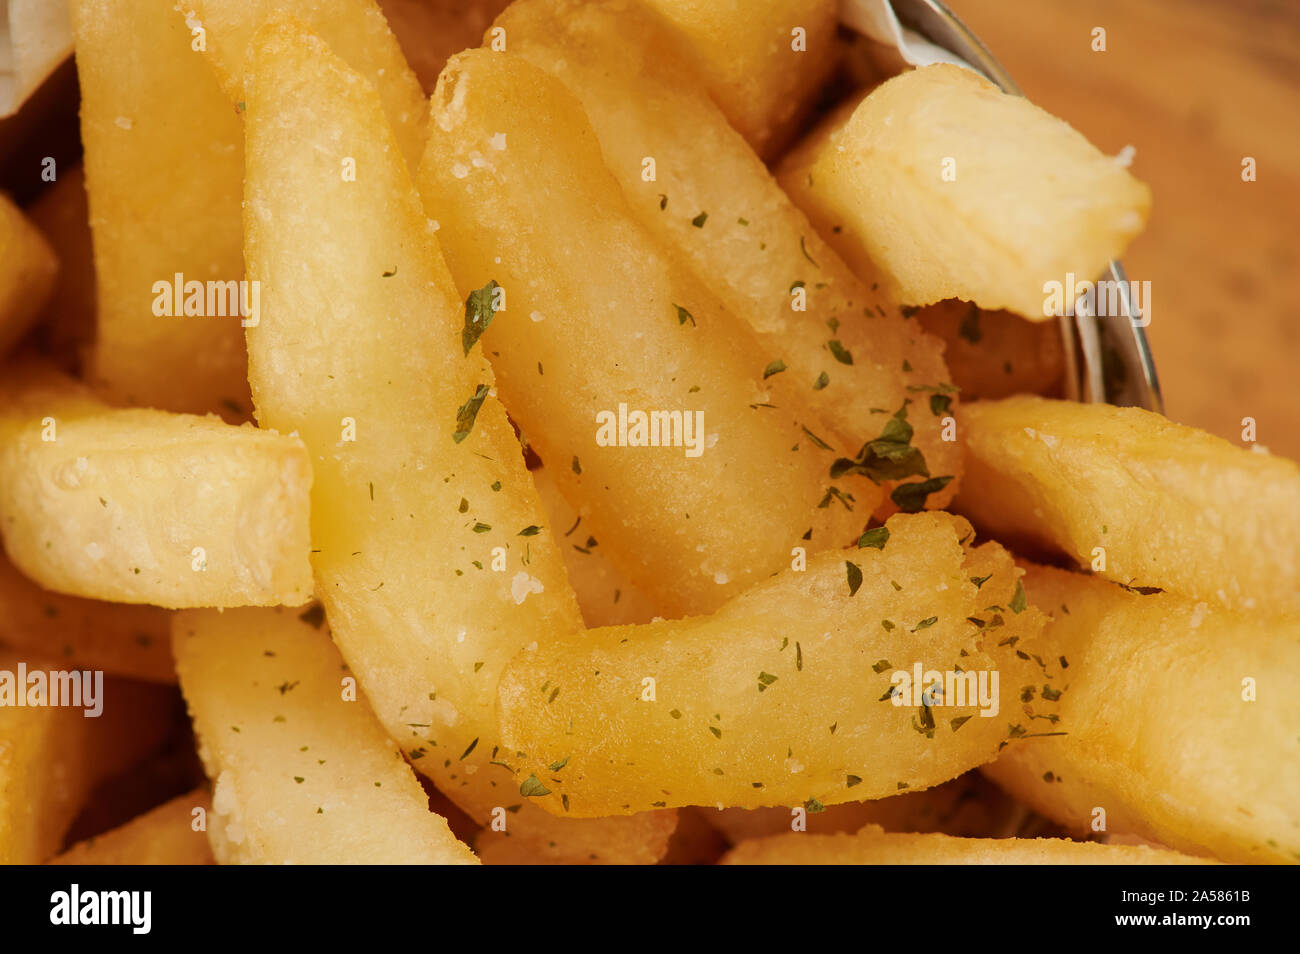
x=164, y=836
x=67, y=323
x=954, y=189
x=354, y=29
x=1137, y=498
x=27, y=269
x=621, y=328
x=1182, y=723
x=302, y=771
x=969, y=806
x=426, y=627
x=140, y=506
x=153, y=218
x=430, y=31
x=625, y=840
x=122, y=640
x=995, y=354
x=764, y=61
x=873, y=846
x=605, y=596
x=846, y=348
x=787, y=694
x=34, y=39
x=52, y=757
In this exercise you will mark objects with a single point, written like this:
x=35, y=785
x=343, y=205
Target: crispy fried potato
x=67, y=323
x=152, y=117
x=52, y=757
x=786, y=694
x=27, y=269
x=1160, y=732
x=995, y=354
x=354, y=29
x=763, y=75
x=140, y=506
x=624, y=840
x=34, y=39
x=1139, y=499
x=969, y=806
x=716, y=203
x=605, y=596
x=122, y=640
x=163, y=836
x=957, y=190
x=430, y=31
x=302, y=770
x=873, y=846
x=620, y=325
x=432, y=553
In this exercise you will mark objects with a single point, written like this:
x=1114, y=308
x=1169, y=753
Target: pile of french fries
x=545, y=432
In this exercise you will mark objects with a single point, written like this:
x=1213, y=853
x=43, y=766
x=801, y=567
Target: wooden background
x=1193, y=85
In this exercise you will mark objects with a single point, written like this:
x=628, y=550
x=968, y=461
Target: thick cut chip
x=764, y=61
x=694, y=183
x=34, y=39
x=302, y=770
x=1137, y=498
x=122, y=640
x=174, y=833
x=970, y=806
x=53, y=756
x=27, y=269
x=163, y=171
x=433, y=556
x=354, y=29
x=873, y=846
x=624, y=840
x=699, y=474
x=605, y=596
x=139, y=506
x=1182, y=722
x=957, y=190
x=812, y=688
x=995, y=354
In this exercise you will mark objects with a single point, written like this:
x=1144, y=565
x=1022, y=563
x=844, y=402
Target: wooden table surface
x=1194, y=86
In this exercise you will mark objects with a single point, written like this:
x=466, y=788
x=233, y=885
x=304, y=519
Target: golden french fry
x=430, y=31
x=624, y=840
x=302, y=770
x=354, y=29
x=34, y=39
x=1182, y=723
x=956, y=190
x=764, y=61
x=67, y=324
x=995, y=354
x=619, y=331
x=427, y=627
x=164, y=836
x=27, y=270
x=968, y=806
x=1137, y=498
x=605, y=596
x=874, y=846
x=800, y=691
x=151, y=115
x=696, y=185
x=122, y=640
x=140, y=506
x=53, y=756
